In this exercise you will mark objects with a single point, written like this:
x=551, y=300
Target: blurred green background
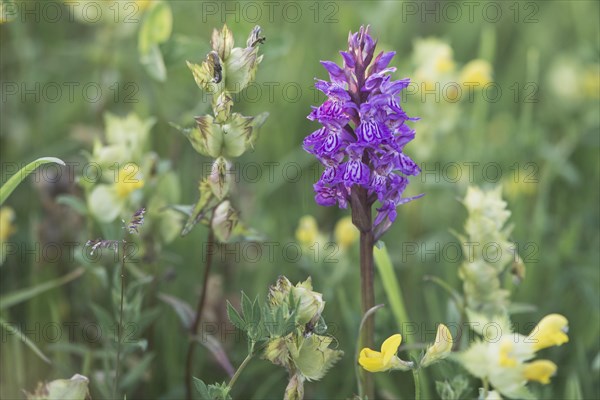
x=544, y=124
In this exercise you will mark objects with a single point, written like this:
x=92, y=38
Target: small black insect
x=213, y=59
x=255, y=37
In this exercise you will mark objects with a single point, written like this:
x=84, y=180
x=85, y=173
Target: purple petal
x=348, y=59
x=407, y=166
x=335, y=72
x=356, y=172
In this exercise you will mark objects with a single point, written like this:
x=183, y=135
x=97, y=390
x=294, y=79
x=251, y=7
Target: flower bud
x=240, y=68
x=75, y=388
x=277, y=352
x=295, y=388
x=239, y=134
x=224, y=221
x=311, y=303
x=220, y=178
x=222, y=42
x=207, y=139
x=279, y=293
x=222, y=107
x=440, y=349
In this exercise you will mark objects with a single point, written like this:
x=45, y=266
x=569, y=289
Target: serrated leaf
x=246, y=307
x=279, y=321
x=234, y=317
x=202, y=389
x=256, y=314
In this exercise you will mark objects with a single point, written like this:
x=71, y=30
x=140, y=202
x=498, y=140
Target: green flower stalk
x=224, y=135
x=485, y=228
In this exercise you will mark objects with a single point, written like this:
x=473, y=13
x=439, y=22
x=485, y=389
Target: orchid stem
x=361, y=218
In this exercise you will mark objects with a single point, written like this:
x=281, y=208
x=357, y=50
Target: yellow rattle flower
x=386, y=359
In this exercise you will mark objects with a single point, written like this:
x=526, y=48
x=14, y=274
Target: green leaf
x=202, y=389
x=135, y=374
x=183, y=310
x=104, y=318
x=390, y=285
x=235, y=318
x=573, y=389
x=15, y=331
x=154, y=63
x=74, y=202
x=156, y=27
x=521, y=308
x=256, y=314
x=17, y=178
x=22, y=295
x=247, y=307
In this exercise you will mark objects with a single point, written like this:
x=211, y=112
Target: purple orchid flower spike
x=363, y=135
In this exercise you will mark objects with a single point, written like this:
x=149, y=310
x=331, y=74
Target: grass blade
x=22, y=295
x=15, y=331
x=17, y=178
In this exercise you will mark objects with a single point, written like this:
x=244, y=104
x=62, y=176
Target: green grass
x=558, y=218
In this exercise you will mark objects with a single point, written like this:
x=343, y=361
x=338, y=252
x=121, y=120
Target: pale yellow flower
x=477, y=73
x=7, y=228
x=590, y=82
x=345, y=233
x=505, y=361
x=440, y=349
x=7, y=216
x=434, y=63
x=107, y=201
x=307, y=232
x=128, y=180
x=143, y=4
x=386, y=359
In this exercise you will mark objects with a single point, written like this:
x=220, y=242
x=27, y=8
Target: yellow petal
x=128, y=180
x=441, y=348
x=550, y=331
x=371, y=360
x=7, y=215
x=539, y=371
x=506, y=359
x=307, y=231
x=345, y=233
x=477, y=72
x=389, y=348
